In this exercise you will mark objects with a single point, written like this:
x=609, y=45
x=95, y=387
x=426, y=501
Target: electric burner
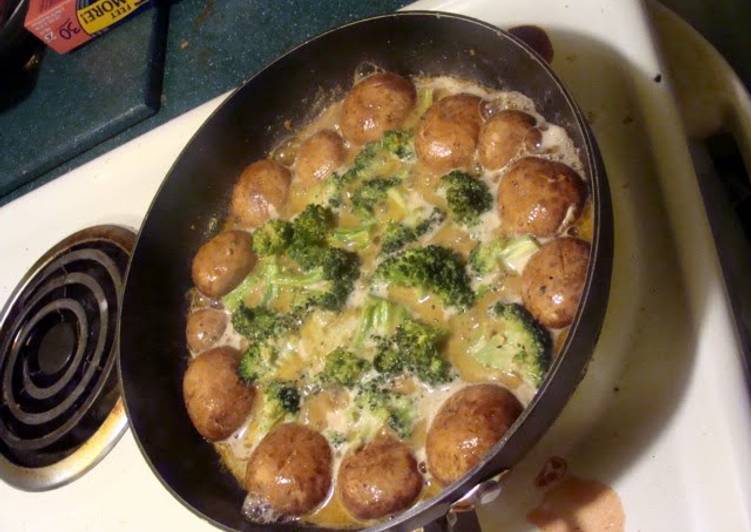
x=60, y=409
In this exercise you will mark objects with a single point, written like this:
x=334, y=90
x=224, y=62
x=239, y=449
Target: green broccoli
x=372, y=160
x=432, y=269
x=266, y=269
x=332, y=271
x=257, y=363
x=378, y=318
x=400, y=143
x=313, y=225
x=468, y=197
x=261, y=323
x=414, y=347
x=371, y=193
x=281, y=400
x=285, y=394
x=385, y=407
x=398, y=235
x=343, y=368
x=235, y=298
x=341, y=268
x=272, y=238
x=307, y=285
x=518, y=343
x=512, y=254
x=358, y=237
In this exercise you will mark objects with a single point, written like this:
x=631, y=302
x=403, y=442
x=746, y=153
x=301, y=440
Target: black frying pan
x=195, y=194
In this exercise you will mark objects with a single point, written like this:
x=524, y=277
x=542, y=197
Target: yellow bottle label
x=101, y=14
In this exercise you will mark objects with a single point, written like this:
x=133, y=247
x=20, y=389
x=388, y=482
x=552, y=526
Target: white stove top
x=663, y=414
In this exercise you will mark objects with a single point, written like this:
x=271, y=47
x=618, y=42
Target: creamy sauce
x=324, y=331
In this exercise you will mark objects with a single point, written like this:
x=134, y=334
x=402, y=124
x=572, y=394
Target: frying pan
x=193, y=199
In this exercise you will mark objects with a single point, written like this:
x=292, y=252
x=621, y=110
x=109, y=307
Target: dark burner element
x=58, y=349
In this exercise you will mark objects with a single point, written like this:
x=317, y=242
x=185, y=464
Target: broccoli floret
x=343, y=368
x=281, y=400
x=372, y=160
x=257, y=363
x=272, y=238
x=379, y=318
x=433, y=269
x=467, y=197
x=414, y=347
x=313, y=224
x=341, y=268
x=307, y=286
x=512, y=254
x=352, y=237
x=260, y=323
x=398, y=235
x=400, y=143
x=336, y=268
x=372, y=192
x=387, y=407
x=285, y=395
x=486, y=258
x=389, y=360
x=520, y=344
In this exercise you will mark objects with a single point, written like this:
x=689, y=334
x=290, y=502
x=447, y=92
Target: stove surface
x=662, y=415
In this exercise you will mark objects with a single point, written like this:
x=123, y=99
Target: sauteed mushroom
x=318, y=156
x=259, y=193
x=290, y=469
x=204, y=328
x=216, y=400
x=378, y=103
x=553, y=281
x=539, y=197
x=467, y=425
x=447, y=135
x=379, y=479
x=504, y=136
x=222, y=262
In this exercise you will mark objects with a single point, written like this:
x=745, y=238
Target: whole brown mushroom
x=447, y=135
x=553, y=280
x=378, y=103
x=504, y=136
x=539, y=197
x=318, y=156
x=223, y=262
x=204, y=328
x=467, y=425
x=217, y=401
x=379, y=479
x=260, y=192
x=290, y=469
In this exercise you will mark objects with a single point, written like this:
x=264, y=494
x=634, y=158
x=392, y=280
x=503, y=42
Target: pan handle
x=461, y=516
x=455, y=522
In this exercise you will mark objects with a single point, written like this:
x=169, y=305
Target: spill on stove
x=575, y=504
